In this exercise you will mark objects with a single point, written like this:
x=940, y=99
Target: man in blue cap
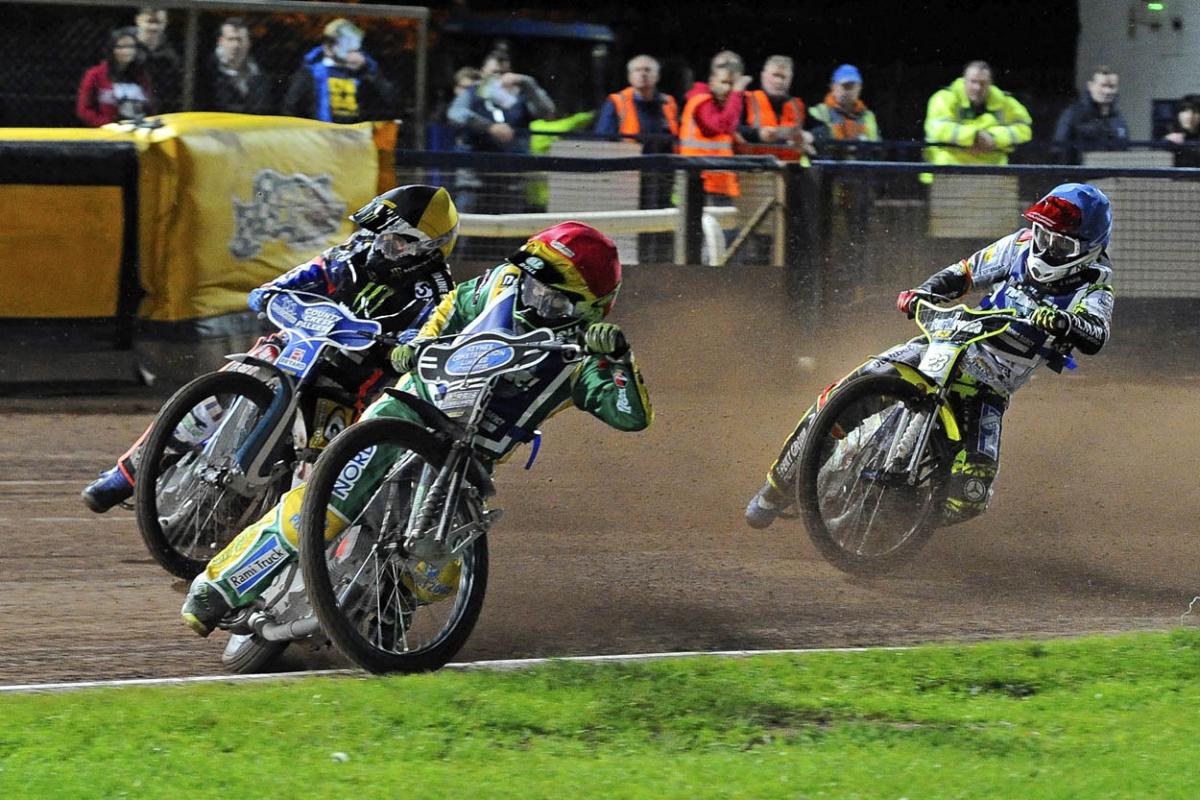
x=843, y=115
x=841, y=121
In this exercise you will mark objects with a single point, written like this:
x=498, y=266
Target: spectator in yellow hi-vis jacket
x=984, y=123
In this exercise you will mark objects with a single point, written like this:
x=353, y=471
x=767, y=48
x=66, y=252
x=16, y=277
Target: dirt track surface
x=634, y=542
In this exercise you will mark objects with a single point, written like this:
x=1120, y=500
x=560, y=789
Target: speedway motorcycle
x=399, y=586
x=875, y=462
x=228, y=444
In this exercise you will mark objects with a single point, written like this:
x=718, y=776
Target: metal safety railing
x=836, y=226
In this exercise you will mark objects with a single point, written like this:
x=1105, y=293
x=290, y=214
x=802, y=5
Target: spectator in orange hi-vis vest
x=641, y=110
x=774, y=120
x=709, y=127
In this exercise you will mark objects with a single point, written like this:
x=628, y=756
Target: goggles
x=396, y=246
x=546, y=301
x=1055, y=246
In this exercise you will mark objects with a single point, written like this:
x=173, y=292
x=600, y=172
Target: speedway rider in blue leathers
x=1057, y=275
x=392, y=269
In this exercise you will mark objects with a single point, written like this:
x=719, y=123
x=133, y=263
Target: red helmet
x=577, y=261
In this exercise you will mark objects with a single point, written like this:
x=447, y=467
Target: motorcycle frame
x=938, y=387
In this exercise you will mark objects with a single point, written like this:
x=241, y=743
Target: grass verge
x=1093, y=717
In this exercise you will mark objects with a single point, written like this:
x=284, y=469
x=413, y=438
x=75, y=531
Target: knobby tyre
x=360, y=585
x=184, y=513
x=863, y=519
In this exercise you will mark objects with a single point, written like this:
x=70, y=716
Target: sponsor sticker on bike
x=350, y=474
x=319, y=320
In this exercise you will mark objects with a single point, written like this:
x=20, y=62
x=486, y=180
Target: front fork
x=914, y=431
x=429, y=532
x=261, y=442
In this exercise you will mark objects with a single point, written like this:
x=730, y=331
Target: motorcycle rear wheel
x=360, y=585
x=184, y=514
x=863, y=519
x=246, y=654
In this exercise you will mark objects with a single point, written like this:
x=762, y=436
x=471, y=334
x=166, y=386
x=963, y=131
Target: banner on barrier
x=226, y=202
x=231, y=201
x=62, y=247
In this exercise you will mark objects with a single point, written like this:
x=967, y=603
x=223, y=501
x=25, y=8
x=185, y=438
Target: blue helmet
x=1071, y=225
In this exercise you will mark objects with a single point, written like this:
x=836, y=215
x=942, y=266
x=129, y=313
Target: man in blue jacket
x=338, y=82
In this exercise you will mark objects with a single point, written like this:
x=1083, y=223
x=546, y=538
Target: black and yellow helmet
x=411, y=224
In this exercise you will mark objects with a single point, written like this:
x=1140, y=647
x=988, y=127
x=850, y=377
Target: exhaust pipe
x=284, y=632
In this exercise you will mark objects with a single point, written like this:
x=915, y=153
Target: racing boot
x=111, y=488
x=766, y=505
x=204, y=607
x=969, y=489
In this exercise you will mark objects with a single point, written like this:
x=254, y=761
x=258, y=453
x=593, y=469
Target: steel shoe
x=765, y=507
x=204, y=607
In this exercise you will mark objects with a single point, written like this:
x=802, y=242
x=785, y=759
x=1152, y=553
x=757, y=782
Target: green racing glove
x=605, y=339
x=402, y=357
x=1051, y=320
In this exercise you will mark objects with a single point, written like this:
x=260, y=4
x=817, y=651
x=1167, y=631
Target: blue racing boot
x=765, y=507
x=110, y=489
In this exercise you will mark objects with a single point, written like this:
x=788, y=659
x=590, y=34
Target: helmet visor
x=394, y=246
x=1054, y=248
x=545, y=301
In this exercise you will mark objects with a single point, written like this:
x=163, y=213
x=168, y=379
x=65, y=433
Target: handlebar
x=570, y=350
x=389, y=339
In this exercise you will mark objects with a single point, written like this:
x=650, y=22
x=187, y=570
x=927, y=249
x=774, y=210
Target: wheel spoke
x=406, y=605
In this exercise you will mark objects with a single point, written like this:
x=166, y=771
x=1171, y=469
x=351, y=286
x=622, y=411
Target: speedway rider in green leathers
x=1056, y=275
x=565, y=278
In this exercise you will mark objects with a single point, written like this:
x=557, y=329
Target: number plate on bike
x=938, y=359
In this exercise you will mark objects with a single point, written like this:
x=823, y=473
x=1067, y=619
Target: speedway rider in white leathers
x=1055, y=274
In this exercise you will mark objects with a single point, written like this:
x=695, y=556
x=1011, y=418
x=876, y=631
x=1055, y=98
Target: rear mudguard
x=436, y=420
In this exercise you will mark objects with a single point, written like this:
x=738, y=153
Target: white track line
x=498, y=665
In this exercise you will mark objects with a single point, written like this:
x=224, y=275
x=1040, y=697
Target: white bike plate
x=938, y=359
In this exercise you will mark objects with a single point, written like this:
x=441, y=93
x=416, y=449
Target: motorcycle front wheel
x=383, y=608
x=186, y=509
x=855, y=495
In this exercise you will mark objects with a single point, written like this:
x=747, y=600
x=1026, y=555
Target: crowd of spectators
x=969, y=121
x=336, y=81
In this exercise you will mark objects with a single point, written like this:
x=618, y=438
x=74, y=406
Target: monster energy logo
x=300, y=210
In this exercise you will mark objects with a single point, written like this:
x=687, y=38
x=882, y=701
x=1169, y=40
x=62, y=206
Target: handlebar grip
x=622, y=346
